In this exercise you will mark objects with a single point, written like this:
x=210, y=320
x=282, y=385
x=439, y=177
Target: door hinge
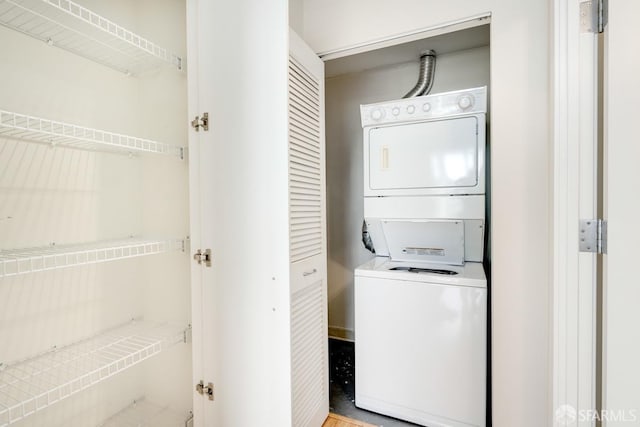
x=603, y=14
x=203, y=122
x=593, y=236
x=593, y=16
x=203, y=257
x=202, y=389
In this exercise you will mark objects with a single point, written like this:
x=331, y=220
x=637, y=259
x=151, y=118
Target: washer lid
x=470, y=274
x=440, y=241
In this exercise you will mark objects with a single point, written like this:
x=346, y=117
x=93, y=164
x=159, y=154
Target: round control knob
x=377, y=114
x=395, y=111
x=465, y=102
x=426, y=107
x=411, y=109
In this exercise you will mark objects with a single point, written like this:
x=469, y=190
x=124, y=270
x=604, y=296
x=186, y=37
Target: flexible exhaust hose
x=427, y=72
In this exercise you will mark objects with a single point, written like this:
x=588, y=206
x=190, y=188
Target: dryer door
x=426, y=158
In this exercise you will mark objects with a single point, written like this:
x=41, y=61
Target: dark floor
x=342, y=387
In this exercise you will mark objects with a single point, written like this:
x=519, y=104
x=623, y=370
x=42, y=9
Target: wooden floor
x=334, y=420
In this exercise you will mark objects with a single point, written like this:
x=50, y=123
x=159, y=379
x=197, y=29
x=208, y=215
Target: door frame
x=574, y=279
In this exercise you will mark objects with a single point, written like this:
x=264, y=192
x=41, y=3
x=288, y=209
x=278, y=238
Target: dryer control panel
x=468, y=101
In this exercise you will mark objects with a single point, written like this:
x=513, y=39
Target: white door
x=308, y=242
x=238, y=67
x=428, y=155
x=621, y=316
x=259, y=309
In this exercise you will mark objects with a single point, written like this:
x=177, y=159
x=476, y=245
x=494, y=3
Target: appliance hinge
x=593, y=16
x=203, y=257
x=203, y=122
x=593, y=236
x=202, y=389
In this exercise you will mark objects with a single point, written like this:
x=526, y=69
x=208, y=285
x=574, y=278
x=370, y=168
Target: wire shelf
x=143, y=413
x=31, y=385
x=54, y=133
x=69, y=26
x=29, y=260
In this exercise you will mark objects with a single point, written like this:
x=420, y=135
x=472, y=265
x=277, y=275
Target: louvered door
x=307, y=237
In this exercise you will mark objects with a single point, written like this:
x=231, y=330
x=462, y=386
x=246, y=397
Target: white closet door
x=309, y=353
x=238, y=73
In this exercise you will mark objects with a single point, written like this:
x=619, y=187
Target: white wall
x=344, y=95
x=520, y=155
x=621, y=336
x=296, y=15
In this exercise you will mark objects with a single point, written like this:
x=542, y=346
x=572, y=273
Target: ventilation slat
x=314, y=203
x=299, y=74
x=303, y=153
x=304, y=131
x=296, y=196
x=301, y=230
x=303, y=86
x=305, y=173
x=302, y=98
x=299, y=223
x=304, y=119
x=300, y=107
x=303, y=140
x=307, y=188
x=304, y=165
x=309, y=210
x=304, y=248
x=306, y=238
x=299, y=163
x=302, y=175
x=308, y=356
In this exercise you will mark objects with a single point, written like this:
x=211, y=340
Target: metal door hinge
x=203, y=122
x=593, y=236
x=603, y=15
x=202, y=389
x=593, y=16
x=203, y=257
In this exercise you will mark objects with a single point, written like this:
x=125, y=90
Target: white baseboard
x=338, y=332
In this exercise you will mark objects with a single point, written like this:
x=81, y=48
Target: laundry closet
x=382, y=74
x=417, y=171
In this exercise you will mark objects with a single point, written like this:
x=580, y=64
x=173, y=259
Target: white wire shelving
x=69, y=26
x=54, y=133
x=143, y=413
x=29, y=260
x=31, y=385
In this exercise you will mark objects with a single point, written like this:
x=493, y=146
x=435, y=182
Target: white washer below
x=420, y=342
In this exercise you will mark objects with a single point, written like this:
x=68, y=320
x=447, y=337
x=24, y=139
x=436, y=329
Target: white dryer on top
x=424, y=164
x=425, y=146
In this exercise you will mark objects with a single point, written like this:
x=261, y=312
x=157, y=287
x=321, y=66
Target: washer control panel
x=468, y=101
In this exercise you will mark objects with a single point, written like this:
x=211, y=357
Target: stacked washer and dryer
x=421, y=303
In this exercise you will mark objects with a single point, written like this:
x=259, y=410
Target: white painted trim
x=575, y=141
x=193, y=106
x=341, y=333
x=423, y=33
